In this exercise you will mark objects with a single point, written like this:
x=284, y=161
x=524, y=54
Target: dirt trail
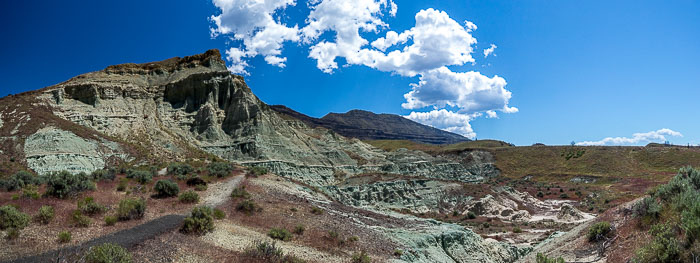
x=130, y=237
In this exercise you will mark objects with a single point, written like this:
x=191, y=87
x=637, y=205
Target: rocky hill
x=192, y=109
x=367, y=125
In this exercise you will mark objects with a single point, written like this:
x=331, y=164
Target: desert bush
x=220, y=169
x=269, y=252
x=166, y=188
x=19, y=180
x=248, y=207
x=361, y=257
x=218, y=214
x=104, y=174
x=131, y=209
x=200, y=187
x=141, y=176
x=563, y=196
x=299, y=229
x=30, y=191
x=256, y=171
x=195, y=181
x=598, y=231
x=332, y=234
x=189, y=197
x=280, y=234
x=12, y=234
x=240, y=193
x=46, y=214
x=180, y=169
x=398, y=252
x=316, y=210
x=517, y=230
x=200, y=221
x=79, y=219
x=123, y=183
x=88, y=206
x=64, y=184
x=471, y=215
x=647, y=207
x=110, y=220
x=10, y=217
x=353, y=239
x=540, y=194
x=108, y=253
x=541, y=258
x=64, y=237
x=663, y=247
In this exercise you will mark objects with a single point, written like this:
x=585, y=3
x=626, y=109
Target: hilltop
x=366, y=125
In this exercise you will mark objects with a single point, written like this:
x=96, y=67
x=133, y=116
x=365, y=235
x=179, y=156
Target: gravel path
x=127, y=238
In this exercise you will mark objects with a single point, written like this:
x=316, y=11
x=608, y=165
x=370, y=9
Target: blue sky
x=575, y=70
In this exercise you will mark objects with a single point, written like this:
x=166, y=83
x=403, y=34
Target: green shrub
x=104, y=174
x=361, y=257
x=240, y=193
x=220, y=169
x=541, y=258
x=19, y=180
x=131, y=209
x=517, y=230
x=166, y=188
x=110, y=220
x=189, y=197
x=598, y=231
x=200, y=187
x=180, y=169
x=46, y=214
x=647, y=207
x=200, y=221
x=563, y=196
x=664, y=248
x=316, y=210
x=64, y=184
x=269, y=252
x=123, y=183
x=398, y=252
x=471, y=215
x=143, y=177
x=218, y=214
x=353, y=239
x=88, y=206
x=10, y=217
x=196, y=181
x=108, y=253
x=12, y=234
x=64, y=237
x=31, y=191
x=280, y=234
x=540, y=194
x=299, y=229
x=333, y=234
x=248, y=207
x=256, y=171
x=79, y=219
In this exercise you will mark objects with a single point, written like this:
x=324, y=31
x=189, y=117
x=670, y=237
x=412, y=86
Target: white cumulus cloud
x=337, y=29
x=446, y=120
x=252, y=22
x=469, y=91
x=646, y=137
x=489, y=50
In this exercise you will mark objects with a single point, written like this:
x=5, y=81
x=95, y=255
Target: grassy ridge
x=551, y=162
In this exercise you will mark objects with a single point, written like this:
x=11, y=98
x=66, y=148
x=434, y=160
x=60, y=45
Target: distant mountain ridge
x=366, y=125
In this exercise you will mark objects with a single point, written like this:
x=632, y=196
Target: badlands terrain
x=178, y=161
